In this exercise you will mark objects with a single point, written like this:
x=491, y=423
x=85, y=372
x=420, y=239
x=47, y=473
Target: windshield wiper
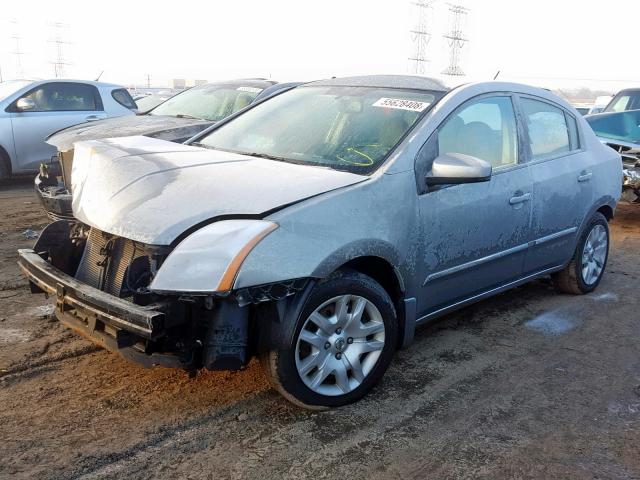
x=267, y=156
x=184, y=115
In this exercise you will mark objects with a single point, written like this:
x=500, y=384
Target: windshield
x=209, y=102
x=625, y=100
x=623, y=126
x=150, y=101
x=11, y=86
x=345, y=128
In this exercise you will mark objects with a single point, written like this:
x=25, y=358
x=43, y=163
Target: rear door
x=562, y=182
x=475, y=235
x=57, y=105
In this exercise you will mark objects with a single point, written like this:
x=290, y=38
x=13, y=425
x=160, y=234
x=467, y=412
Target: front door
x=475, y=235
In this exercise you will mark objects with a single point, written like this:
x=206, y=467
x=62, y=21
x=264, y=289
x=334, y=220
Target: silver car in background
x=318, y=229
x=31, y=111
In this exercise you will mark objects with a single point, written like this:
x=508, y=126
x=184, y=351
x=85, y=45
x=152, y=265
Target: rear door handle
x=523, y=197
x=585, y=176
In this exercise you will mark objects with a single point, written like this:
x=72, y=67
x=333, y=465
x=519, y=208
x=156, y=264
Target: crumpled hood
x=152, y=190
x=157, y=126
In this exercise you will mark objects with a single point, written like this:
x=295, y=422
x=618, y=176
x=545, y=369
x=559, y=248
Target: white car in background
x=30, y=111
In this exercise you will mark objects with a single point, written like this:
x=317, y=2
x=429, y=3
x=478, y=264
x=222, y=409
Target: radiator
x=105, y=261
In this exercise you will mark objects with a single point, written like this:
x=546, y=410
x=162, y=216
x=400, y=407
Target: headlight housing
x=208, y=260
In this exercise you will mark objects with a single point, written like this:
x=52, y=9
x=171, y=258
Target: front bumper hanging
x=112, y=322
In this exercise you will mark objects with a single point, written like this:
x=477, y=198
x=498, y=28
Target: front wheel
x=584, y=272
x=344, y=340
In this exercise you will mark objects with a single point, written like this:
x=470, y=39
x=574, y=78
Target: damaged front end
x=101, y=283
x=51, y=185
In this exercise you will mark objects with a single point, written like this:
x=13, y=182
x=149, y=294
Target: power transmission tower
x=420, y=36
x=59, y=43
x=17, y=52
x=456, y=39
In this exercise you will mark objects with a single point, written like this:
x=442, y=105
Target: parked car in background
x=600, y=103
x=582, y=109
x=317, y=229
x=177, y=119
x=621, y=131
x=31, y=110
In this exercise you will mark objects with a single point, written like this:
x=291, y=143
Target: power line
x=59, y=63
x=420, y=35
x=17, y=51
x=456, y=39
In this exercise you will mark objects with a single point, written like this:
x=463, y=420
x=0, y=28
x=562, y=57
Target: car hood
x=157, y=126
x=152, y=190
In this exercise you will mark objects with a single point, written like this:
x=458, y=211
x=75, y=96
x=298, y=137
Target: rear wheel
x=343, y=343
x=584, y=272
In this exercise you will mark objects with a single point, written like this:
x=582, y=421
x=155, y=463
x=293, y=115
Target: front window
x=64, y=97
x=209, y=102
x=341, y=127
x=484, y=129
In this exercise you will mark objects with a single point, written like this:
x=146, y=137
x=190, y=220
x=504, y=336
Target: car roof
x=70, y=80
x=241, y=82
x=386, y=81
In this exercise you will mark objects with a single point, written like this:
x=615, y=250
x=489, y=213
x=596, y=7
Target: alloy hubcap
x=339, y=344
x=594, y=255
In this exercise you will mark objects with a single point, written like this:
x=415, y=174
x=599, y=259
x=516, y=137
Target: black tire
x=5, y=166
x=570, y=279
x=280, y=364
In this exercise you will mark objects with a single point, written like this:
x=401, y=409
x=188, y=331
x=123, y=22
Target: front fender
x=314, y=238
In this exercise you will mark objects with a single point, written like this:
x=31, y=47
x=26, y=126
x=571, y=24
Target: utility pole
x=59, y=63
x=420, y=35
x=456, y=39
x=148, y=80
x=17, y=52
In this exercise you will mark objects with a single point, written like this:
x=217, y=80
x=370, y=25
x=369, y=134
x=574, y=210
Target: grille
x=106, y=260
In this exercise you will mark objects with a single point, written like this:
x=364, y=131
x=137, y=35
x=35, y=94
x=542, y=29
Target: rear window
x=547, y=125
x=124, y=98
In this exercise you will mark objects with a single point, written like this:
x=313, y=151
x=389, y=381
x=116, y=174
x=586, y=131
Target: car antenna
x=496, y=75
x=97, y=79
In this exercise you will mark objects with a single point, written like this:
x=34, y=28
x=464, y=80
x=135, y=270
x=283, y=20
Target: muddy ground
x=529, y=384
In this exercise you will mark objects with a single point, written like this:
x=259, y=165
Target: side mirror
x=452, y=168
x=25, y=104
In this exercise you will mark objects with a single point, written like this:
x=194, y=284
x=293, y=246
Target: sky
x=549, y=43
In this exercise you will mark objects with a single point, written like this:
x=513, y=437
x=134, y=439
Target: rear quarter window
x=124, y=98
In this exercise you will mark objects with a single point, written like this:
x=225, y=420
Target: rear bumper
x=55, y=200
x=109, y=321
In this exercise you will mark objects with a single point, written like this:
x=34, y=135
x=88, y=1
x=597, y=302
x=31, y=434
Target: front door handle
x=520, y=198
x=90, y=118
x=585, y=176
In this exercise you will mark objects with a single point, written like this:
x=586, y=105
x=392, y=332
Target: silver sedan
x=317, y=229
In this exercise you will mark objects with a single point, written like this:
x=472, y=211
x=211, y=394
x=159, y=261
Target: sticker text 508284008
x=413, y=105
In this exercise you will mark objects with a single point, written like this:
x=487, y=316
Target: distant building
x=181, y=83
x=177, y=83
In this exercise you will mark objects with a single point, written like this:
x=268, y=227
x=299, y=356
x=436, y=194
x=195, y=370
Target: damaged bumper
x=55, y=199
x=113, y=323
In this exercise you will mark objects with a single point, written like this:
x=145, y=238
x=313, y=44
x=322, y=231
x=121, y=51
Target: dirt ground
x=529, y=384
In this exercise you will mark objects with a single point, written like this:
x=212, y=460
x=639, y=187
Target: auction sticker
x=249, y=89
x=412, y=105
